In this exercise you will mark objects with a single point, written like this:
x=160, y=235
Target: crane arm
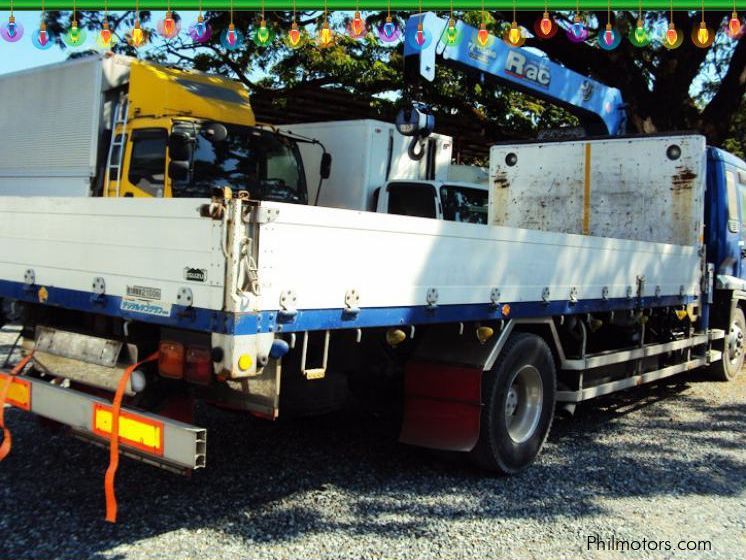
x=599, y=107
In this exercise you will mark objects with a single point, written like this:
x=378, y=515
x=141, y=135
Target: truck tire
x=734, y=344
x=518, y=397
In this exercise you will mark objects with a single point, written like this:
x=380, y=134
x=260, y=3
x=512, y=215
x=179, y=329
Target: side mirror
x=180, y=146
x=178, y=170
x=326, y=165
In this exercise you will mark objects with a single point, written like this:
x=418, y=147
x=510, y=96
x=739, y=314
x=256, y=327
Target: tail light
x=198, y=367
x=171, y=359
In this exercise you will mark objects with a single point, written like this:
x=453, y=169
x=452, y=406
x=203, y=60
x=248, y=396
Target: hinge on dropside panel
x=641, y=286
x=261, y=215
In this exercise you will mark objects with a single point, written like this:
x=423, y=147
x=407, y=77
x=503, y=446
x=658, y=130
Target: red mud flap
x=442, y=406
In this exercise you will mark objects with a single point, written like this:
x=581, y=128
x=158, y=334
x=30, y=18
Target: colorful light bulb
x=734, y=25
x=11, y=31
x=671, y=35
x=263, y=35
x=640, y=33
x=451, y=33
x=168, y=27
x=389, y=28
x=483, y=35
x=294, y=35
x=105, y=35
x=703, y=34
x=357, y=26
x=138, y=37
x=169, y=24
x=608, y=34
x=232, y=36
x=546, y=24
x=514, y=34
x=420, y=36
x=326, y=37
x=199, y=27
x=389, y=33
x=42, y=36
x=74, y=31
x=577, y=27
x=199, y=31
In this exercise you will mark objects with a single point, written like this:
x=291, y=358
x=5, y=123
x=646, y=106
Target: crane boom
x=599, y=107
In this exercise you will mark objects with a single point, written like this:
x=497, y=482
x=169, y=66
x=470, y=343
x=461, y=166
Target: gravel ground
x=664, y=462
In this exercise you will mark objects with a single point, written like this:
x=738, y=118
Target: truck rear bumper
x=154, y=439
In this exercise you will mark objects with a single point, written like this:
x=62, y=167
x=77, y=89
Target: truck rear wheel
x=518, y=396
x=728, y=368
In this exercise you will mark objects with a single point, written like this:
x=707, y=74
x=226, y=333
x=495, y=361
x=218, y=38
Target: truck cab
x=443, y=200
x=725, y=218
x=183, y=134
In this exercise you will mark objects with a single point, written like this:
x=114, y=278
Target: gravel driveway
x=660, y=463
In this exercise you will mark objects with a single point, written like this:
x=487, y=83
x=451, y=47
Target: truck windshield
x=464, y=204
x=265, y=164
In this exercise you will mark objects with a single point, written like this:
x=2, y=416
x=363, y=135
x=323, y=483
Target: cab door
x=143, y=163
x=739, y=178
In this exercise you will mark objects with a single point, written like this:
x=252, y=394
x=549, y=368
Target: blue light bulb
x=389, y=28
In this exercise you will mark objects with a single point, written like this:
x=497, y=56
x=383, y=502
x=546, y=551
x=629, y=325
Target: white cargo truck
x=373, y=170
x=270, y=307
x=246, y=301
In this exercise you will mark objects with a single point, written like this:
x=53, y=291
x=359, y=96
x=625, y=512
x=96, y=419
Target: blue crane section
x=599, y=107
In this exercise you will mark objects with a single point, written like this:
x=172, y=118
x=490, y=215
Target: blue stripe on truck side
x=206, y=320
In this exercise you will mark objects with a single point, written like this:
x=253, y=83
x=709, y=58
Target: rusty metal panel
x=643, y=189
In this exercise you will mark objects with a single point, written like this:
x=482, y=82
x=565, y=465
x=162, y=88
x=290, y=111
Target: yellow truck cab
x=181, y=134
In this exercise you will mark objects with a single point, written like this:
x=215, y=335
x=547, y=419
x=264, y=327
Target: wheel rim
x=523, y=403
x=735, y=343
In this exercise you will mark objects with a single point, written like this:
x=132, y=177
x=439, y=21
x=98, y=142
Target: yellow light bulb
x=514, y=35
x=703, y=34
x=325, y=35
x=138, y=37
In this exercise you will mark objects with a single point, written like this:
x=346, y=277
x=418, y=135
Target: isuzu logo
x=195, y=274
x=519, y=66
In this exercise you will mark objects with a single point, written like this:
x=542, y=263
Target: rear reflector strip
x=19, y=393
x=134, y=430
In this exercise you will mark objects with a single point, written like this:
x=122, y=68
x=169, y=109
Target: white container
x=366, y=154
x=53, y=118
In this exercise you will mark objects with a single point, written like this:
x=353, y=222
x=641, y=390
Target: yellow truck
x=115, y=126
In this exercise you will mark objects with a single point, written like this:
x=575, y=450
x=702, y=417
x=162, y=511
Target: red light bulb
x=671, y=35
x=482, y=35
x=608, y=35
x=420, y=35
x=357, y=24
x=43, y=37
x=546, y=24
x=169, y=24
x=231, y=36
x=294, y=35
x=734, y=25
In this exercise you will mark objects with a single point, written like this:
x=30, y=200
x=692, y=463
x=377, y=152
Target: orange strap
x=4, y=388
x=111, y=499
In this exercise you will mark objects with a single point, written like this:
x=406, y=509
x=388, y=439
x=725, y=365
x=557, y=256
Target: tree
x=684, y=89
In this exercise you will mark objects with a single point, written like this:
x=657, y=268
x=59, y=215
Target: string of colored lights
x=396, y=5
x=513, y=34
